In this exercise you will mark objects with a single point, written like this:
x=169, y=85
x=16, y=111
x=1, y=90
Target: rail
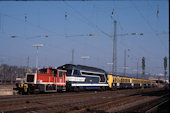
x=155, y=107
x=150, y=109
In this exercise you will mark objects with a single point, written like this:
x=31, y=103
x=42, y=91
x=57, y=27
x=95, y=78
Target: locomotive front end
x=31, y=78
x=28, y=85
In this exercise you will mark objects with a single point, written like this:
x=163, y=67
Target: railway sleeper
x=144, y=106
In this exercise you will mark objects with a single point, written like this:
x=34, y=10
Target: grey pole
x=38, y=45
x=114, y=66
x=125, y=62
x=137, y=68
x=73, y=56
x=37, y=58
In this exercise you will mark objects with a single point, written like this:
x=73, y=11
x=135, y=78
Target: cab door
x=61, y=78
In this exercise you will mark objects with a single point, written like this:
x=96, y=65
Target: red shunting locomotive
x=45, y=80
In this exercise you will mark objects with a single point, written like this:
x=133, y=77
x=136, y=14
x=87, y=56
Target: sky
x=63, y=26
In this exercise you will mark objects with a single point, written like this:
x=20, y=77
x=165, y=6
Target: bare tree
x=143, y=67
x=165, y=67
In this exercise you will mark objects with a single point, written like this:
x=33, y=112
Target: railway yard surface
x=124, y=100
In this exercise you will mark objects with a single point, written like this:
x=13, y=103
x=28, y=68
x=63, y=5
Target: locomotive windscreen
x=30, y=78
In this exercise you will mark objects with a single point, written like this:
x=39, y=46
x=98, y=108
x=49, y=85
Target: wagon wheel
x=114, y=88
x=68, y=87
x=76, y=89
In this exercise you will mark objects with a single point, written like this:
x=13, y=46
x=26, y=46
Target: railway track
x=75, y=102
x=156, y=107
x=148, y=106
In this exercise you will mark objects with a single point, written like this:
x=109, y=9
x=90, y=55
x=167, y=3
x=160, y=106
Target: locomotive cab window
x=54, y=72
x=43, y=71
x=69, y=72
x=60, y=74
x=76, y=72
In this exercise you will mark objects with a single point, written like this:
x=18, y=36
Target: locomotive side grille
x=30, y=78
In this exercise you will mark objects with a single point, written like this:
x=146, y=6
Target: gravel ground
x=79, y=102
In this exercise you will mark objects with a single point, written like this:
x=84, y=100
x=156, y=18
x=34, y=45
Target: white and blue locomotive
x=79, y=77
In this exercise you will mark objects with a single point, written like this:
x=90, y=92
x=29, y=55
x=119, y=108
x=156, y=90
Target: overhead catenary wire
x=60, y=35
x=0, y=23
x=37, y=26
x=28, y=22
x=90, y=23
x=148, y=24
x=86, y=20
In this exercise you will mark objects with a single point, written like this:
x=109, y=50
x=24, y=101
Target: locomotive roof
x=81, y=67
x=47, y=68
